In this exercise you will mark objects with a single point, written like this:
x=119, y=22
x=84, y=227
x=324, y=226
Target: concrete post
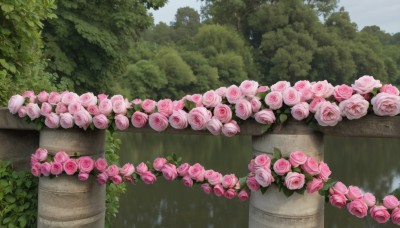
x=64, y=201
x=274, y=209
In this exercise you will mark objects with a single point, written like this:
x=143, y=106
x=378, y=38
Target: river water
x=372, y=164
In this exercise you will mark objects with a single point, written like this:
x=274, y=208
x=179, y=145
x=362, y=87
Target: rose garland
x=295, y=173
x=218, y=111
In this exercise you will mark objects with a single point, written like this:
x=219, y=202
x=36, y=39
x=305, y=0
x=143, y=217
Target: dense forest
x=114, y=47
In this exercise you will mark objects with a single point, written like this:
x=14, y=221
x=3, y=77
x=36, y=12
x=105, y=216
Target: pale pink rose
x=322, y=89
x=211, y=99
x=230, y=193
x=265, y=116
x=158, y=122
x=262, y=161
x=243, y=195
x=101, y=121
x=354, y=193
x=178, y=119
x=61, y=108
x=314, y=186
x=198, y=118
x=178, y=105
x=223, y=112
x=291, y=96
x=139, y=119
x=243, y=109
x=158, y=163
x=214, y=178
x=280, y=86
x=87, y=99
x=85, y=164
x=355, y=107
x=136, y=102
x=105, y=107
x=297, y=158
x=102, y=96
x=206, y=188
x=35, y=170
x=102, y=178
x=311, y=166
x=340, y=188
x=148, y=177
x=43, y=96
x=196, y=98
x=358, y=208
x=274, y=100
x=101, y=165
x=119, y=107
x=31, y=95
x=54, y=98
x=342, y=92
x=328, y=114
x=93, y=110
x=56, y=168
x=41, y=154
x=187, y=181
x=221, y=91
x=365, y=84
x=306, y=95
x=45, y=109
x=396, y=216
x=141, y=168
x=75, y=107
x=302, y=85
x=45, y=169
x=15, y=103
x=196, y=172
x=229, y=181
x=61, y=157
x=388, y=88
x=148, y=106
x=83, y=176
x=250, y=166
x=324, y=171
x=66, y=120
x=83, y=119
x=69, y=97
x=165, y=107
x=249, y=88
x=218, y=190
x=264, y=177
x=33, y=111
x=230, y=129
x=300, y=111
x=52, y=120
x=369, y=199
x=384, y=104
x=233, y=94
x=214, y=126
x=315, y=102
x=183, y=169
x=379, y=214
x=122, y=122
x=294, y=180
x=390, y=201
x=22, y=112
x=117, y=98
x=255, y=104
x=262, y=89
x=338, y=200
x=281, y=166
x=112, y=170
x=169, y=172
x=70, y=166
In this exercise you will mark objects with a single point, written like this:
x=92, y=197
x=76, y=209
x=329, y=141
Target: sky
x=383, y=13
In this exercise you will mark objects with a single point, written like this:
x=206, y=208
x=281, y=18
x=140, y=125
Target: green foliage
x=18, y=197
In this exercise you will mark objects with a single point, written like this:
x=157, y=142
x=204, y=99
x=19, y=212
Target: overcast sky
x=384, y=13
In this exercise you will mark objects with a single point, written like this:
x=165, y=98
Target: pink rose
x=148, y=106
x=83, y=176
x=102, y=96
x=354, y=193
x=223, y=113
x=187, y=181
x=101, y=165
x=86, y=164
x=328, y=114
x=88, y=99
x=262, y=89
x=148, y=177
x=206, y=188
x=265, y=116
x=214, y=126
x=136, y=101
x=300, y=111
x=61, y=157
x=311, y=166
x=388, y=88
x=384, y=104
x=262, y=161
x=33, y=111
x=178, y=105
x=69, y=97
x=340, y=188
x=35, y=170
x=315, y=102
x=355, y=107
x=139, y=119
x=158, y=122
x=274, y=100
x=119, y=107
x=306, y=95
x=214, y=178
x=324, y=171
x=221, y=91
x=281, y=166
x=101, y=121
x=22, y=112
x=229, y=181
x=243, y=109
x=243, y=195
x=264, y=177
x=178, y=119
x=314, y=186
x=105, y=107
x=158, y=163
x=45, y=109
x=218, y=190
x=357, y=208
x=66, y=120
x=230, y=129
x=198, y=118
x=291, y=96
x=183, y=169
x=280, y=86
x=30, y=95
x=61, y=108
x=43, y=96
x=211, y=99
x=342, y=92
x=230, y=193
x=70, y=166
x=165, y=107
x=141, y=168
x=102, y=178
x=297, y=158
x=45, y=169
x=196, y=172
x=82, y=119
x=294, y=180
x=127, y=170
x=15, y=103
x=56, y=168
x=122, y=122
x=54, y=98
x=249, y=88
x=250, y=166
x=52, y=120
x=338, y=200
x=41, y=154
x=255, y=104
x=117, y=98
x=365, y=84
x=252, y=184
x=233, y=94
x=302, y=85
x=396, y=216
x=369, y=199
x=379, y=214
x=322, y=89
x=93, y=110
x=117, y=179
x=197, y=98
x=390, y=201
x=112, y=170
x=75, y=107
x=169, y=172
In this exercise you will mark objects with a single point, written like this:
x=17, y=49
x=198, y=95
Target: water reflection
x=370, y=163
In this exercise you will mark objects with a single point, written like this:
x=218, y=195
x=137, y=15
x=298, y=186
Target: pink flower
x=86, y=164
x=198, y=118
x=250, y=166
x=69, y=97
x=233, y=94
x=196, y=98
x=338, y=200
x=117, y=179
x=214, y=126
x=342, y=92
x=105, y=107
x=214, y=178
x=158, y=122
x=302, y=85
x=311, y=166
x=255, y=104
x=264, y=177
x=117, y=98
x=230, y=129
x=229, y=181
x=41, y=154
x=61, y=157
x=169, y=172
x=206, y=188
x=54, y=98
x=112, y=170
x=211, y=99
x=355, y=107
x=390, y=201
x=280, y=86
x=141, y=168
x=158, y=163
x=379, y=214
x=102, y=178
x=221, y=91
x=66, y=120
x=15, y=103
x=291, y=96
x=265, y=116
x=127, y=170
x=45, y=109
x=252, y=184
x=357, y=208
x=328, y=114
x=300, y=111
x=230, y=193
x=93, y=110
x=165, y=107
x=396, y=216
x=262, y=161
x=369, y=199
x=30, y=95
x=82, y=119
x=178, y=119
x=56, y=168
x=223, y=113
x=322, y=89
x=384, y=104
x=35, y=170
x=52, y=120
x=43, y=96
x=88, y=99
x=121, y=121
x=45, y=169
x=136, y=102
x=101, y=165
x=218, y=190
x=102, y=96
x=187, y=181
x=306, y=95
x=61, y=108
x=297, y=158
x=22, y=112
x=148, y=106
x=262, y=89
x=70, y=166
x=388, y=88
x=183, y=169
x=324, y=171
x=294, y=180
x=33, y=111
x=101, y=121
x=354, y=193
x=340, y=188
x=274, y=100
x=315, y=102
x=314, y=186
x=119, y=107
x=243, y=195
x=196, y=172
x=249, y=88
x=139, y=119
x=148, y=177
x=178, y=105
x=243, y=109
x=282, y=166
x=83, y=176
x=365, y=84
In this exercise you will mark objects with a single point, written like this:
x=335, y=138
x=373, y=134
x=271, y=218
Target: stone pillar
x=64, y=201
x=274, y=209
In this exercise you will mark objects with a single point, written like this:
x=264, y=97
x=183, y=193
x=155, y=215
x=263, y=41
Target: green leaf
x=277, y=153
x=242, y=182
x=265, y=128
x=137, y=107
x=301, y=191
x=189, y=105
x=10, y=199
x=263, y=189
x=22, y=221
x=287, y=191
x=283, y=118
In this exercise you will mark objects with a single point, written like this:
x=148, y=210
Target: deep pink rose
x=101, y=165
x=121, y=121
x=274, y=100
x=52, y=120
x=56, y=168
x=250, y=166
x=158, y=163
x=252, y=184
x=41, y=154
x=187, y=181
x=198, y=118
x=338, y=200
x=314, y=186
x=229, y=181
x=314, y=103
x=358, y=208
x=127, y=170
x=280, y=86
x=206, y=188
x=385, y=104
x=265, y=116
x=322, y=89
x=355, y=107
x=139, y=119
x=61, y=156
x=396, y=216
x=61, y=108
x=165, y=107
x=93, y=110
x=379, y=214
x=311, y=166
x=249, y=88
x=178, y=119
x=230, y=193
x=211, y=99
x=233, y=94
x=255, y=104
x=148, y=177
x=369, y=199
x=43, y=96
x=66, y=120
x=112, y=170
x=105, y=107
x=148, y=106
x=300, y=111
x=119, y=107
x=324, y=171
x=33, y=111
x=86, y=164
x=243, y=195
x=223, y=112
x=340, y=188
x=218, y=190
x=262, y=161
x=45, y=169
x=158, y=122
x=141, y=168
x=327, y=114
x=291, y=96
x=82, y=119
x=183, y=169
x=45, y=109
x=302, y=85
x=169, y=172
x=15, y=103
x=390, y=201
x=117, y=179
x=35, y=169
x=88, y=99
x=101, y=121
x=243, y=109
x=281, y=166
x=264, y=177
x=83, y=176
x=102, y=178
x=196, y=172
x=342, y=92
x=70, y=166
x=354, y=193
x=22, y=112
x=54, y=98
x=294, y=180
x=297, y=158
x=230, y=129
x=214, y=126
x=365, y=84
x=388, y=88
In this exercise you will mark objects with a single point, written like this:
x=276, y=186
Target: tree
x=186, y=25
